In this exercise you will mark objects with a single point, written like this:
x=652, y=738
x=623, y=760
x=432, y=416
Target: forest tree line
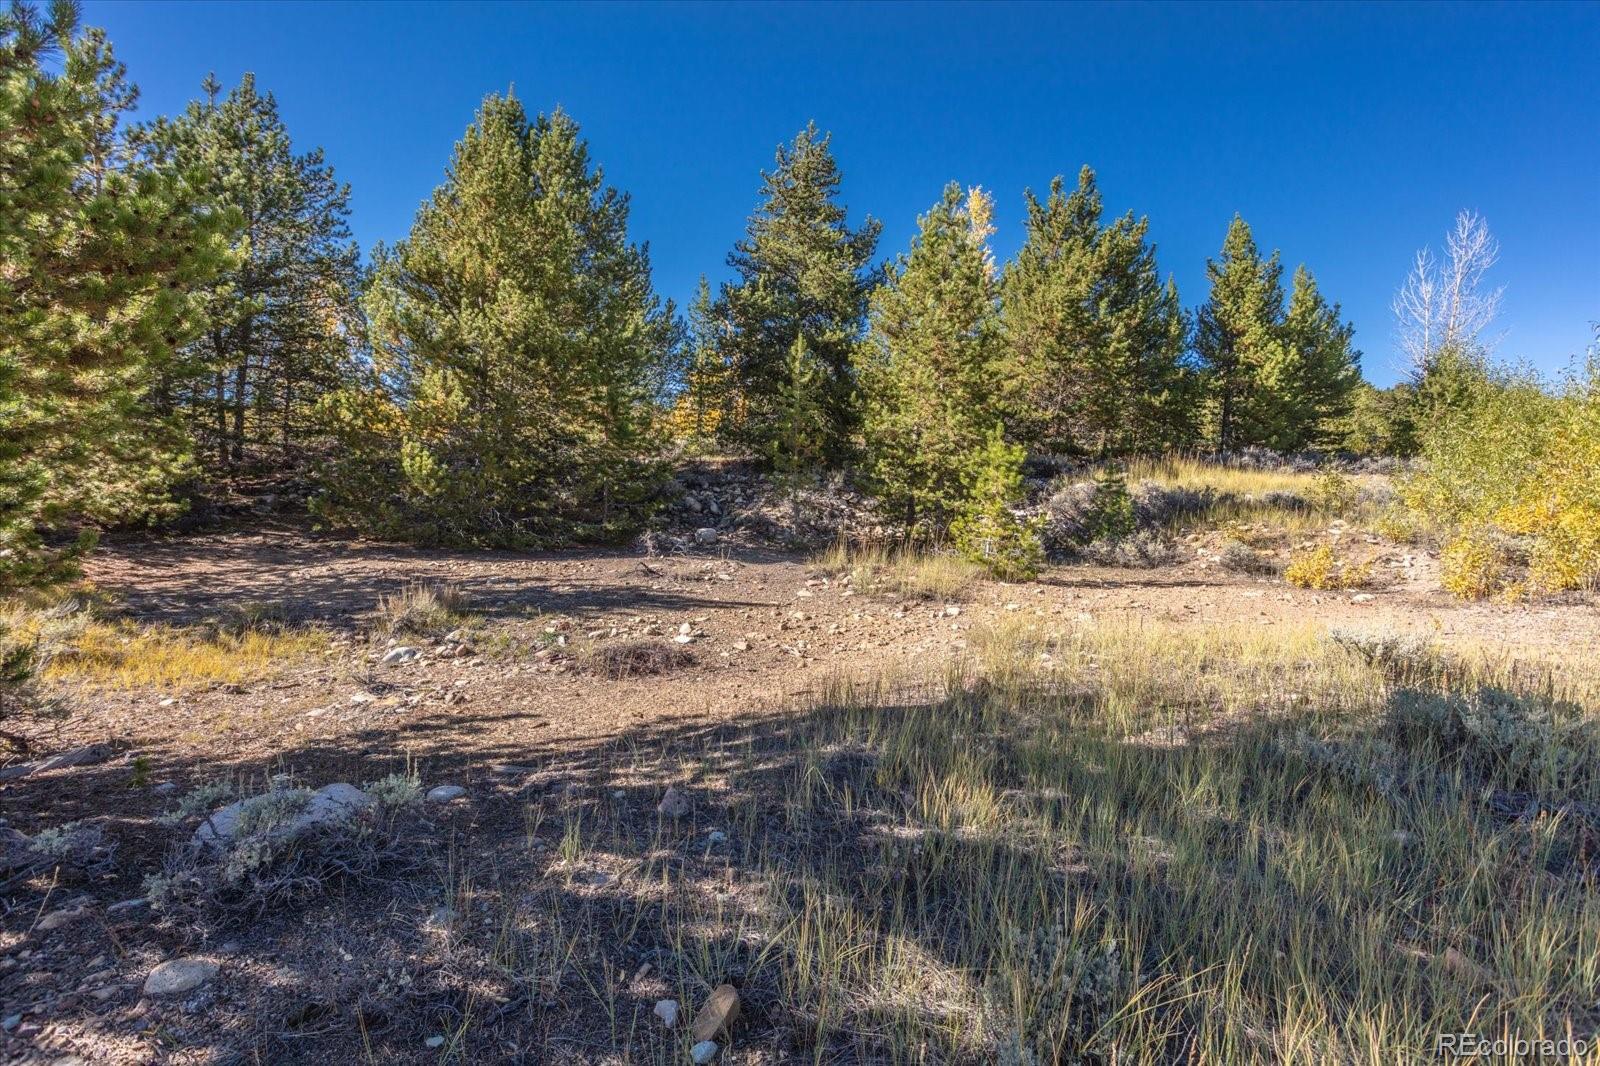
x=181, y=303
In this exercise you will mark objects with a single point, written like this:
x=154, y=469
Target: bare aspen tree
x=1444, y=304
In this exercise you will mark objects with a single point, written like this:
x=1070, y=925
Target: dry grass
x=255, y=641
x=422, y=609
x=1128, y=843
x=908, y=572
x=128, y=656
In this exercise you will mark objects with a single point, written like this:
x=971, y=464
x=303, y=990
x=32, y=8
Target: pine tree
x=928, y=371
x=987, y=531
x=1276, y=378
x=800, y=417
x=1240, y=342
x=1327, y=368
x=281, y=322
x=1095, y=342
x=703, y=404
x=519, y=354
x=101, y=257
x=802, y=272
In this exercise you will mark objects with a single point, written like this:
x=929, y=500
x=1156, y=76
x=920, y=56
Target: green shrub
x=1509, y=456
x=987, y=531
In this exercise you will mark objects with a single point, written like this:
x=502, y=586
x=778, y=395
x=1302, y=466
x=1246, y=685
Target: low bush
x=422, y=609
x=1319, y=568
x=1514, y=457
x=1473, y=566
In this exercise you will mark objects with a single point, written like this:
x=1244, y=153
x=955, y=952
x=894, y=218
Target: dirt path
x=764, y=627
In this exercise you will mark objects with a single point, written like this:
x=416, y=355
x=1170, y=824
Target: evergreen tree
x=1326, y=369
x=519, y=353
x=100, y=258
x=281, y=322
x=1276, y=378
x=1239, y=340
x=800, y=418
x=988, y=531
x=928, y=371
x=802, y=272
x=1095, y=341
x=702, y=405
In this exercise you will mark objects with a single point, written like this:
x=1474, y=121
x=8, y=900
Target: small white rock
x=403, y=654
x=704, y=1052
x=178, y=975
x=434, y=1041
x=705, y=535
x=716, y=836
x=674, y=804
x=445, y=793
x=667, y=1011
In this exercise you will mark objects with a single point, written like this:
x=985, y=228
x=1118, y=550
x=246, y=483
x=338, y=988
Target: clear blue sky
x=1347, y=135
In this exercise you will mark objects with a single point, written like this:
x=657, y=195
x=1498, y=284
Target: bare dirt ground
x=520, y=718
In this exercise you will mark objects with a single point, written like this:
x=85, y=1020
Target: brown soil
x=525, y=719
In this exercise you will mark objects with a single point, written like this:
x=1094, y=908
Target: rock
x=456, y=636
x=683, y=638
x=128, y=905
x=65, y=916
x=718, y=1014
x=178, y=975
x=704, y=1052
x=402, y=654
x=445, y=793
x=705, y=536
x=1362, y=597
x=716, y=836
x=434, y=1041
x=85, y=756
x=330, y=803
x=674, y=804
x=951, y=611
x=667, y=1011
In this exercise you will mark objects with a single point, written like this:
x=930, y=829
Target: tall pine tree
x=101, y=257
x=1275, y=378
x=1095, y=341
x=519, y=353
x=1326, y=368
x=281, y=322
x=928, y=372
x=1240, y=343
x=803, y=272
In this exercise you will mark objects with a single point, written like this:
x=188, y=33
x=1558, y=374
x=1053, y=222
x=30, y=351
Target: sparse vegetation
x=905, y=571
x=1319, y=567
x=422, y=609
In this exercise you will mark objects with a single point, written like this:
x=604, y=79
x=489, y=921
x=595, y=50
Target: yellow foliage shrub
x=1473, y=567
x=1319, y=568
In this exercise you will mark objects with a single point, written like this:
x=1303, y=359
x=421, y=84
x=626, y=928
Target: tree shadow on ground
x=543, y=917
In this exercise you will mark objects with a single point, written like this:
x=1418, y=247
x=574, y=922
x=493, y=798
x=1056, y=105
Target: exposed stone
x=705, y=535
x=65, y=916
x=176, y=976
x=667, y=1011
x=330, y=803
x=445, y=793
x=84, y=756
x=674, y=804
x=402, y=654
x=704, y=1052
x=718, y=1014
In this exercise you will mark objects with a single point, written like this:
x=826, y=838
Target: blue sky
x=1347, y=135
